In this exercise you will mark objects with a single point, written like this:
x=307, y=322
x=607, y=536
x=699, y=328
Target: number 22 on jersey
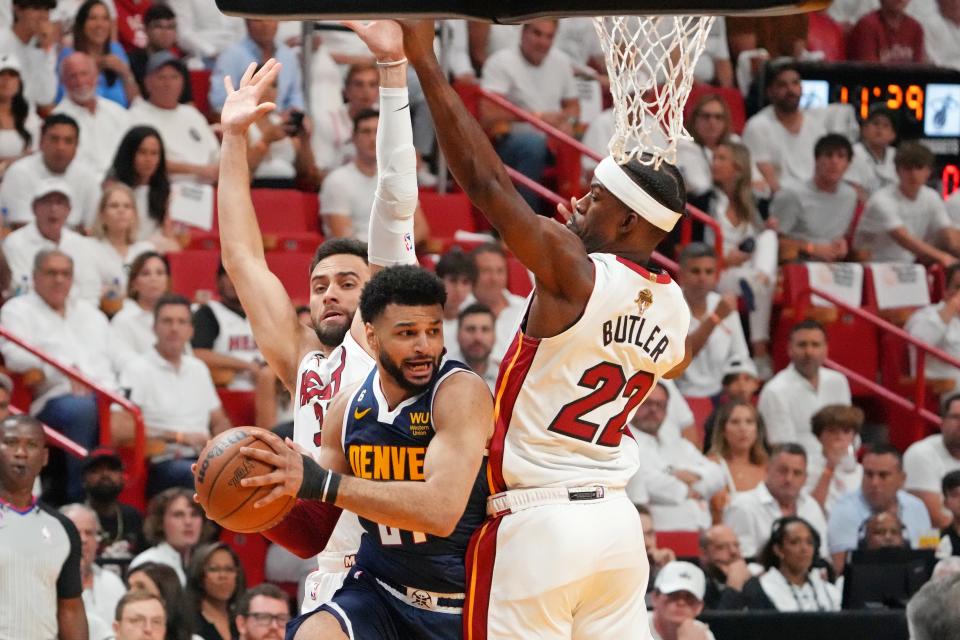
x=609, y=384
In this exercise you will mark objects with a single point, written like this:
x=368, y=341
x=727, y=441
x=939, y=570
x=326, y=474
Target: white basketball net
x=650, y=62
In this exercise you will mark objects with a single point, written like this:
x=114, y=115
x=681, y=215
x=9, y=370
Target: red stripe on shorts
x=513, y=370
x=481, y=554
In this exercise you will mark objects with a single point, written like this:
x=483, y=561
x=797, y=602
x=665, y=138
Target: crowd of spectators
x=102, y=132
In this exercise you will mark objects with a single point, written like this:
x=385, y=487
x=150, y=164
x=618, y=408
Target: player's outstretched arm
x=282, y=339
x=462, y=419
x=554, y=254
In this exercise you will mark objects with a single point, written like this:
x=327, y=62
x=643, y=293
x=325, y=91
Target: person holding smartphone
x=279, y=152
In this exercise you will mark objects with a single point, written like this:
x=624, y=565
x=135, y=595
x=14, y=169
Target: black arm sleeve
x=205, y=328
x=69, y=583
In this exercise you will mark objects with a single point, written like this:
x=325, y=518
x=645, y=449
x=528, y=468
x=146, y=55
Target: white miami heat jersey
x=562, y=403
x=319, y=379
x=235, y=339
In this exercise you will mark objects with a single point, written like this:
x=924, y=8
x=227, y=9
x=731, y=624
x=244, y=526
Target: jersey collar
x=660, y=277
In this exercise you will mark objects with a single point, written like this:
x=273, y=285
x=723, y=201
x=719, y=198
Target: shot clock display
x=924, y=99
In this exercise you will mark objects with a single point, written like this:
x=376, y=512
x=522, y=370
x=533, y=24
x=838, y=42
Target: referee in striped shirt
x=39, y=548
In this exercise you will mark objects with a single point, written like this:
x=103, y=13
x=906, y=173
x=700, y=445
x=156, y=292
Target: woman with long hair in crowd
x=19, y=125
x=738, y=445
x=93, y=30
x=141, y=164
x=132, y=326
x=749, y=247
x=215, y=582
x=115, y=230
x=174, y=525
x=796, y=579
x=162, y=581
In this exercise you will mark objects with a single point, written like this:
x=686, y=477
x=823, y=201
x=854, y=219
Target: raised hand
x=418, y=39
x=383, y=37
x=243, y=106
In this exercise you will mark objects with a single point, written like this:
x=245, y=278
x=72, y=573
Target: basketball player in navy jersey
x=403, y=450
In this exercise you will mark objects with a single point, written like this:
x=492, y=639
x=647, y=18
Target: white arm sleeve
x=391, y=221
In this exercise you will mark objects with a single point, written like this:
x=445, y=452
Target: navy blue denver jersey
x=391, y=445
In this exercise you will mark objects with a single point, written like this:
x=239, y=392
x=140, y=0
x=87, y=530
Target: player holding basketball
x=404, y=450
x=562, y=554
x=314, y=365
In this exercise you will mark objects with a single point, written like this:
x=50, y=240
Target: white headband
x=615, y=180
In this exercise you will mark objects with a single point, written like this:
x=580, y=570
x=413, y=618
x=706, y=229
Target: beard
x=332, y=334
x=104, y=492
x=395, y=371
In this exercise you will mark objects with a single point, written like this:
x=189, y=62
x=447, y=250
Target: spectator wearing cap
x=792, y=396
x=941, y=34
x=6, y=389
x=740, y=383
x=102, y=122
x=19, y=125
x=833, y=471
x=881, y=490
x=51, y=210
x=887, y=35
x=176, y=394
x=752, y=513
x=458, y=271
x=258, y=46
x=192, y=150
x=59, y=139
x=102, y=589
x=160, y=25
x=76, y=333
x=872, y=165
x=677, y=601
x=938, y=325
x=35, y=46
x=223, y=338
x=792, y=580
x=121, y=526
x=908, y=221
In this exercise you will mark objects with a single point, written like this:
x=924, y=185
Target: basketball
x=220, y=468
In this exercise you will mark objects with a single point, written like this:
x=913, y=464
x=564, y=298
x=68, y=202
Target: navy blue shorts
x=367, y=610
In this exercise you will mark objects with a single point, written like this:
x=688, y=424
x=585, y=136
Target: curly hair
x=405, y=285
x=153, y=522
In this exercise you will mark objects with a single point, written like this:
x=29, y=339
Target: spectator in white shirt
x=346, y=196
x=814, y=215
x=752, y=513
x=716, y=335
x=792, y=396
x=174, y=525
x=677, y=601
x=490, y=289
x=116, y=246
x=332, y=138
x=223, y=338
x=907, y=221
x=35, y=45
x=192, y=150
x=833, y=470
x=939, y=326
x=76, y=333
x=927, y=461
x=458, y=272
x=174, y=390
x=695, y=478
x=132, y=327
x=59, y=137
x=781, y=136
x=476, y=335
x=539, y=79
x=102, y=589
x=941, y=35
x=102, y=122
x=872, y=166
x=19, y=124
x=51, y=208
x=203, y=30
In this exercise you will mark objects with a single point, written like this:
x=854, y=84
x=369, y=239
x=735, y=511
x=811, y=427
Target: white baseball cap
x=52, y=185
x=681, y=576
x=9, y=62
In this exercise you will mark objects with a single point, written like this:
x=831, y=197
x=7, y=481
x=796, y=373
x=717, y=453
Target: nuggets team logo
x=644, y=300
x=420, y=598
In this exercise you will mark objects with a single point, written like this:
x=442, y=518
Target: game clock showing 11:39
x=925, y=101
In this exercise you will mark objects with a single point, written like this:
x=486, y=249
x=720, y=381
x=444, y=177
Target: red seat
x=686, y=544
x=203, y=240
x=730, y=95
x=238, y=405
x=825, y=35
x=294, y=241
x=518, y=277
x=447, y=213
x=280, y=210
x=293, y=270
x=192, y=271
x=200, y=87
x=252, y=549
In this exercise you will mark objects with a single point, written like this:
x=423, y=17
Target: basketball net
x=650, y=62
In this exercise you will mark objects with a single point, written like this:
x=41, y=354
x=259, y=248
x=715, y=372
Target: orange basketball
x=220, y=468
